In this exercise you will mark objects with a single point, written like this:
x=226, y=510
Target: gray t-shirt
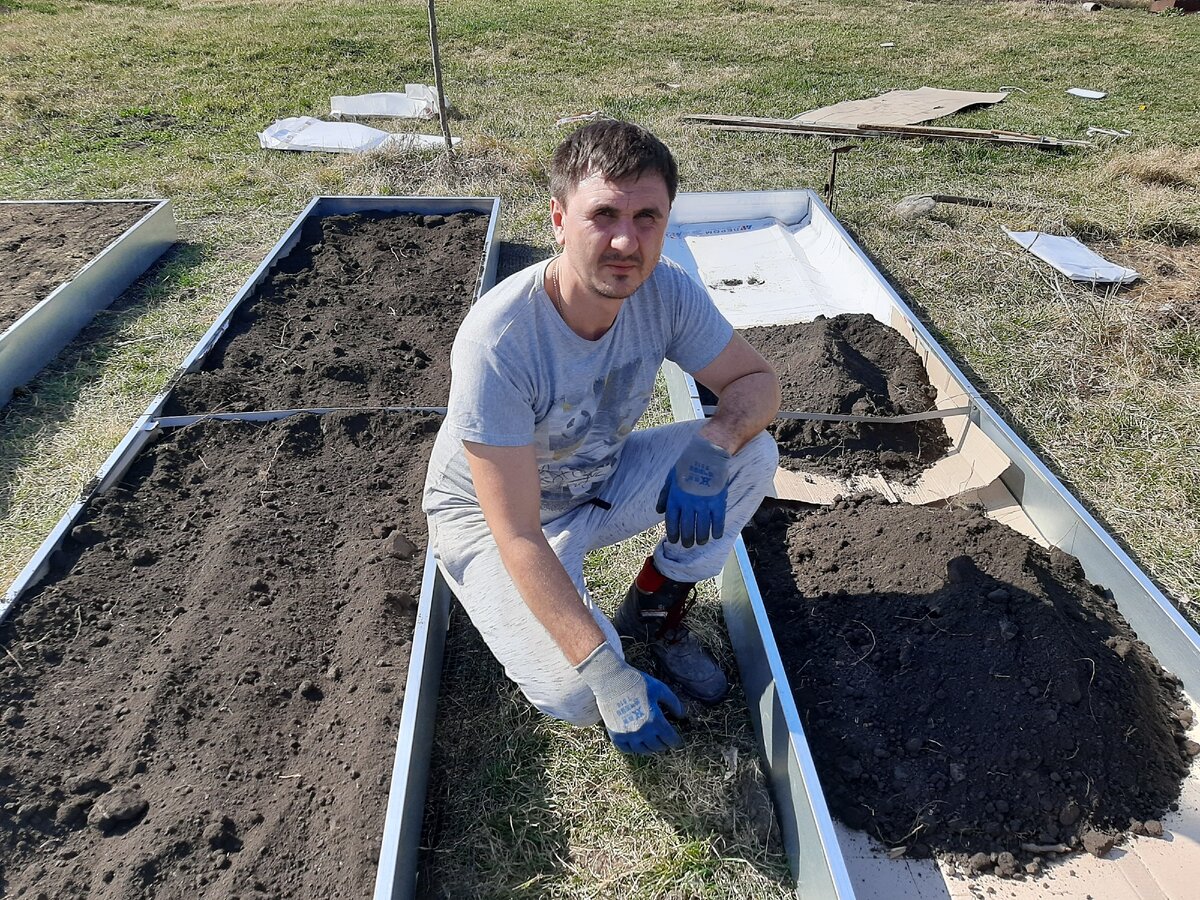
x=521, y=376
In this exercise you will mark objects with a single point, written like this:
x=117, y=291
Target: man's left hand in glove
x=694, y=495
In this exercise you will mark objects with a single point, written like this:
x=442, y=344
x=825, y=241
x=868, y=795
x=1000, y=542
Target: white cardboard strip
x=418, y=101
x=1072, y=258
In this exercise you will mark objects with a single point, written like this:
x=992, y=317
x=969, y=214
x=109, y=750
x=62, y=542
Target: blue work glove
x=629, y=703
x=695, y=492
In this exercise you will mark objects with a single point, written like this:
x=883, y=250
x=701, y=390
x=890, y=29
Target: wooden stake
x=437, y=80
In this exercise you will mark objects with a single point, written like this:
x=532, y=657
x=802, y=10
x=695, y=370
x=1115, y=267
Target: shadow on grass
x=1014, y=423
x=41, y=408
x=489, y=830
x=736, y=816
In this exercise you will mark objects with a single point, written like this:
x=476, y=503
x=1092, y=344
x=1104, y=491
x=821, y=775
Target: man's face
x=612, y=232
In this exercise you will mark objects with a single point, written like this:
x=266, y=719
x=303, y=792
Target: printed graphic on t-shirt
x=579, y=440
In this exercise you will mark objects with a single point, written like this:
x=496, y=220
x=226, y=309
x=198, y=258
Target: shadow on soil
x=39, y=410
x=1013, y=422
x=489, y=830
x=515, y=257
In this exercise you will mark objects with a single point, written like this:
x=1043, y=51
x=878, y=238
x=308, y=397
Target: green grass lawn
x=164, y=99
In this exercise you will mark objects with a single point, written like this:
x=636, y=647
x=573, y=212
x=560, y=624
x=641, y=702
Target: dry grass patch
x=1171, y=167
x=1169, y=290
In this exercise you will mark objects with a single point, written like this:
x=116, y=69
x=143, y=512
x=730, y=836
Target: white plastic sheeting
x=419, y=101
x=1072, y=258
x=312, y=135
x=765, y=272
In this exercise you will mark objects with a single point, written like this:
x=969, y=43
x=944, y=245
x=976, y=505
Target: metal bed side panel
x=720, y=206
x=809, y=838
x=682, y=393
x=807, y=829
x=39, y=335
x=396, y=878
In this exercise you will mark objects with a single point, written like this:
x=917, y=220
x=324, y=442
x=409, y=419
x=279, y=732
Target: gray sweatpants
x=468, y=557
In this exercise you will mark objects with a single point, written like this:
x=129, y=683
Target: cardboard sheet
x=899, y=107
x=1003, y=507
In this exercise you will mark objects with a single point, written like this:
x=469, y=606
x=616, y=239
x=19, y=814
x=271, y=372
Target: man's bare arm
x=748, y=389
x=506, y=482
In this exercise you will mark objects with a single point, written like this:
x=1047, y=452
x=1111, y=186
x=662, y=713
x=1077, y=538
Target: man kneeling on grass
x=537, y=462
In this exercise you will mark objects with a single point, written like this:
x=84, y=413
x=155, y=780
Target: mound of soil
x=361, y=313
x=202, y=699
x=44, y=244
x=851, y=364
x=964, y=690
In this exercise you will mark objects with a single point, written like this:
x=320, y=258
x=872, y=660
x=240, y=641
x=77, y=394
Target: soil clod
x=118, y=806
x=1098, y=843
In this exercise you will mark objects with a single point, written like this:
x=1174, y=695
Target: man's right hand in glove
x=630, y=701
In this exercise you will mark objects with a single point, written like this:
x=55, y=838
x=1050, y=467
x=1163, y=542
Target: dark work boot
x=652, y=612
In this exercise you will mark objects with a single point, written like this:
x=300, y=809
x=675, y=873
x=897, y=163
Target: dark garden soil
x=202, y=700
x=361, y=313
x=851, y=364
x=963, y=690
x=44, y=244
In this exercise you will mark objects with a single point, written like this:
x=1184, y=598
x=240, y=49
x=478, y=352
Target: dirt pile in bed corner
x=964, y=690
x=851, y=364
x=362, y=312
x=202, y=699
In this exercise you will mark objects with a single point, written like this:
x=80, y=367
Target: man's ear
x=558, y=212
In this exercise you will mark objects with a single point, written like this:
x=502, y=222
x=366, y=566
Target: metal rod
x=879, y=420
x=832, y=185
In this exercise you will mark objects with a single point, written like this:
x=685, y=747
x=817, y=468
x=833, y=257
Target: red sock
x=649, y=579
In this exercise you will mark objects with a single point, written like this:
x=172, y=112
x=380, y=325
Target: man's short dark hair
x=614, y=150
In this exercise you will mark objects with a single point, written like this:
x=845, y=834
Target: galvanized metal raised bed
x=396, y=875
x=41, y=333
x=830, y=274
